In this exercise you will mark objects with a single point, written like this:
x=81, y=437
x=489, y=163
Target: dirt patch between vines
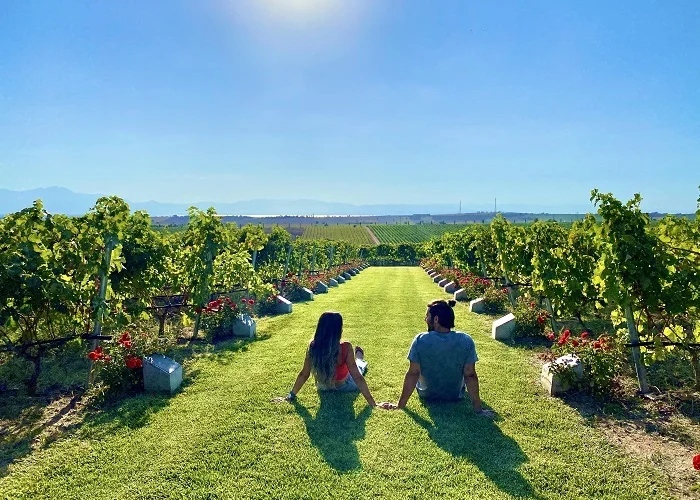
x=658, y=430
x=669, y=456
x=375, y=240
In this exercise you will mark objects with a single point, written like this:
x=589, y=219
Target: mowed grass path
x=220, y=437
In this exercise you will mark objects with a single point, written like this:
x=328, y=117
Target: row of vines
x=67, y=280
x=642, y=277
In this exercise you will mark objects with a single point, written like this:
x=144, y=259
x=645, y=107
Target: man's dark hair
x=443, y=310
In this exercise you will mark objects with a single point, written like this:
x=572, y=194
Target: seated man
x=442, y=362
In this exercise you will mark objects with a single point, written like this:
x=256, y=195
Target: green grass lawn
x=220, y=437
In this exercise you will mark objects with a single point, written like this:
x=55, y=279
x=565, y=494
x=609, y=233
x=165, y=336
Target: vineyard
x=412, y=233
x=355, y=234
x=641, y=279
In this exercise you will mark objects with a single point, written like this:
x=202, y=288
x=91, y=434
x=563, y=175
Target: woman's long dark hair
x=325, y=346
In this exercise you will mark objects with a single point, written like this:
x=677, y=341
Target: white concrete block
x=347, y=276
x=340, y=280
x=321, y=287
x=332, y=282
x=450, y=287
x=476, y=305
x=461, y=294
x=503, y=328
x=433, y=274
x=309, y=294
x=443, y=282
x=437, y=278
x=244, y=326
x=283, y=305
x=554, y=380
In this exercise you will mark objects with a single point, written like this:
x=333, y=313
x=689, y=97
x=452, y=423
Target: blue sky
x=360, y=101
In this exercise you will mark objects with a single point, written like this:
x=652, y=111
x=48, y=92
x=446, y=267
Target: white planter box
x=450, y=287
x=503, y=328
x=461, y=294
x=161, y=374
x=476, y=305
x=244, y=326
x=555, y=382
x=283, y=305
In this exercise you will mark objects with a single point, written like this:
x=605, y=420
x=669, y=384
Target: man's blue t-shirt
x=442, y=357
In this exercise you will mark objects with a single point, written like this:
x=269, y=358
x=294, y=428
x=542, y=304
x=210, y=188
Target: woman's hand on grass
x=281, y=399
x=387, y=405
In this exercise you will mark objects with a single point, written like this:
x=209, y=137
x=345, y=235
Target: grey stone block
x=450, y=287
x=476, y=305
x=461, y=294
x=503, y=328
x=554, y=381
x=347, y=276
x=443, y=282
x=161, y=374
x=309, y=295
x=321, y=287
x=244, y=326
x=283, y=305
x=340, y=280
x=437, y=278
x=332, y=282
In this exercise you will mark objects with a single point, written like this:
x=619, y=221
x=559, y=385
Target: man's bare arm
x=409, y=383
x=472, y=381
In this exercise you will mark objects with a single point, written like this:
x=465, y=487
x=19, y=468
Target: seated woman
x=334, y=364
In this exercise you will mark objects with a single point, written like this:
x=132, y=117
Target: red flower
x=696, y=462
x=133, y=362
x=574, y=343
x=93, y=356
x=198, y=310
x=597, y=344
x=108, y=358
x=585, y=335
x=251, y=302
x=561, y=341
x=567, y=333
x=244, y=300
x=540, y=320
x=551, y=336
x=127, y=344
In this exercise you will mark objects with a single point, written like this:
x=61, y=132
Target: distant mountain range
x=62, y=200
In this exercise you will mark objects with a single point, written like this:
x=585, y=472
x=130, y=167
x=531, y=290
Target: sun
x=300, y=10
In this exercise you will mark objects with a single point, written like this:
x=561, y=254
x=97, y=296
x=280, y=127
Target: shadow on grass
x=456, y=430
x=335, y=428
x=31, y=423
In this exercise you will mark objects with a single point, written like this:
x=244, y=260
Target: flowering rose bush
x=530, y=319
x=495, y=300
x=119, y=363
x=220, y=314
x=602, y=358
